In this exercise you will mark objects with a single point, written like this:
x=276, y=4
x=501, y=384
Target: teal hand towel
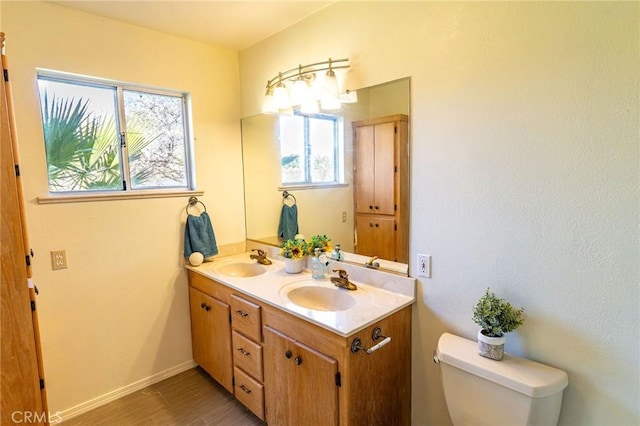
x=288, y=226
x=199, y=236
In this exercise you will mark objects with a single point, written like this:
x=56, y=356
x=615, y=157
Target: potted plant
x=496, y=317
x=293, y=252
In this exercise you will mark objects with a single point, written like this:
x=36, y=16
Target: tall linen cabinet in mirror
x=380, y=187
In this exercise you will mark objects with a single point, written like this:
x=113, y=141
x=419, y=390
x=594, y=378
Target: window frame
x=338, y=156
x=127, y=191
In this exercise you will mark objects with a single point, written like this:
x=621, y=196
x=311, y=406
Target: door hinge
x=41, y=383
x=27, y=258
x=6, y=74
x=233, y=381
x=395, y=207
x=395, y=226
x=229, y=318
x=123, y=140
x=395, y=129
x=338, y=379
x=33, y=306
x=395, y=169
x=17, y=170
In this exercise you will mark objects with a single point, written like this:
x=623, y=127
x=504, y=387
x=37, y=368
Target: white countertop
x=379, y=294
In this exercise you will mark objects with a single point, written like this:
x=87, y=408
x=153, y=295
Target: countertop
x=379, y=294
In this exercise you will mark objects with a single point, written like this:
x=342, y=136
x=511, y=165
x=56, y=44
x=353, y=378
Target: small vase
x=491, y=347
x=293, y=266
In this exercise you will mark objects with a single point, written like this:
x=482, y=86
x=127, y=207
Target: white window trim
x=120, y=195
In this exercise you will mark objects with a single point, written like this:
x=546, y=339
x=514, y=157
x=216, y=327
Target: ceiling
x=231, y=24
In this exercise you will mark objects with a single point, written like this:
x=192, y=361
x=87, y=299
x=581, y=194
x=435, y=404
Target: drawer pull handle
x=245, y=389
x=243, y=352
x=242, y=314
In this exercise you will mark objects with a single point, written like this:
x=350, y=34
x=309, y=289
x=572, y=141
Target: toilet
x=480, y=391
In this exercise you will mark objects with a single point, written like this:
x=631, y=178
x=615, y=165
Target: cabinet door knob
x=370, y=224
x=202, y=305
x=298, y=360
x=287, y=354
x=207, y=308
x=377, y=225
x=376, y=207
x=370, y=207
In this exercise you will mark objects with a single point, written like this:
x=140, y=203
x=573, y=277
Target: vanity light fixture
x=308, y=88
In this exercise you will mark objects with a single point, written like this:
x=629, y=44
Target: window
x=310, y=149
x=113, y=137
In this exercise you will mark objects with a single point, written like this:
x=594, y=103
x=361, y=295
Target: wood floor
x=190, y=398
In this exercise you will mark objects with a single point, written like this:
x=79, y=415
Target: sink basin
x=322, y=298
x=240, y=269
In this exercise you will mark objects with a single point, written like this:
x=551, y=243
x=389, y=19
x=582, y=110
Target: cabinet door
x=211, y=336
x=364, y=173
x=376, y=236
x=300, y=383
x=384, y=177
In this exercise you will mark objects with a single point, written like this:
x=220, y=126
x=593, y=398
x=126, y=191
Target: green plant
x=294, y=249
x=496, y=316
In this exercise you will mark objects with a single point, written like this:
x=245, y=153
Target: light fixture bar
x=302, y=70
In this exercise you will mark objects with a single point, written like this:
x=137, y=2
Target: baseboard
x=123, y=391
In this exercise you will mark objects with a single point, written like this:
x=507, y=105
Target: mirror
x=328, y=209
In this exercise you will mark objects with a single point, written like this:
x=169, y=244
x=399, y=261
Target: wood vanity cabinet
x=381, y=187
x=211, y=336
x=289, y=371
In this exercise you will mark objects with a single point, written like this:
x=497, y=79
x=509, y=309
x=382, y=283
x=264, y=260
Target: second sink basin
x=240, y=269
x=322, y=298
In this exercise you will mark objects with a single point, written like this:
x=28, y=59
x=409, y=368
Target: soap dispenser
x=317, y=265
x=336, y=254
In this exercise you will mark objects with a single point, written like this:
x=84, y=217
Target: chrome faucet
x=343, y=280
x=261, y=257
x=371, y=263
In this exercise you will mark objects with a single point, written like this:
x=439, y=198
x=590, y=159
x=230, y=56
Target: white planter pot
x=491, y=347
x=293, y=266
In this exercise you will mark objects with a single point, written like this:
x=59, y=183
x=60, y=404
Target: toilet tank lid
x=522, y=375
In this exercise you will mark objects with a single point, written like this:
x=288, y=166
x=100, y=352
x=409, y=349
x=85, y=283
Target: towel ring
x=193, y=201
x=287, y=194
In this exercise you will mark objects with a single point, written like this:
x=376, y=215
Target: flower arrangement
x=496, y=316
x=319, y=241
x=299, y=247
x=294, y=249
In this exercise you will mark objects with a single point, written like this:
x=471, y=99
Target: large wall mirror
x=326, y=209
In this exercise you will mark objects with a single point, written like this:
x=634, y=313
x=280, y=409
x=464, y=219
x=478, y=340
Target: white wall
x=119, y=314
x=525, y=129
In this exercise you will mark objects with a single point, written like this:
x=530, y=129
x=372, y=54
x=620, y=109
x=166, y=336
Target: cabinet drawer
x=247, y=355
x=246, y=317
x=249, y=392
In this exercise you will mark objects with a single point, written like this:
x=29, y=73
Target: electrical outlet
x=424, y=265
x=58, y=259
x=344, y=217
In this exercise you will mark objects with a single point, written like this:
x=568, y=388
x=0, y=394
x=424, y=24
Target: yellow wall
x=524, y=178
x=119, y=314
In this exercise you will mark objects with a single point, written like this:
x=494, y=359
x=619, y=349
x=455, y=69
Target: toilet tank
x=513, y=391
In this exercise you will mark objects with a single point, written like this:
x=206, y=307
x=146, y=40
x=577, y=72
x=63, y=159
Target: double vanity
x=296, y=350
